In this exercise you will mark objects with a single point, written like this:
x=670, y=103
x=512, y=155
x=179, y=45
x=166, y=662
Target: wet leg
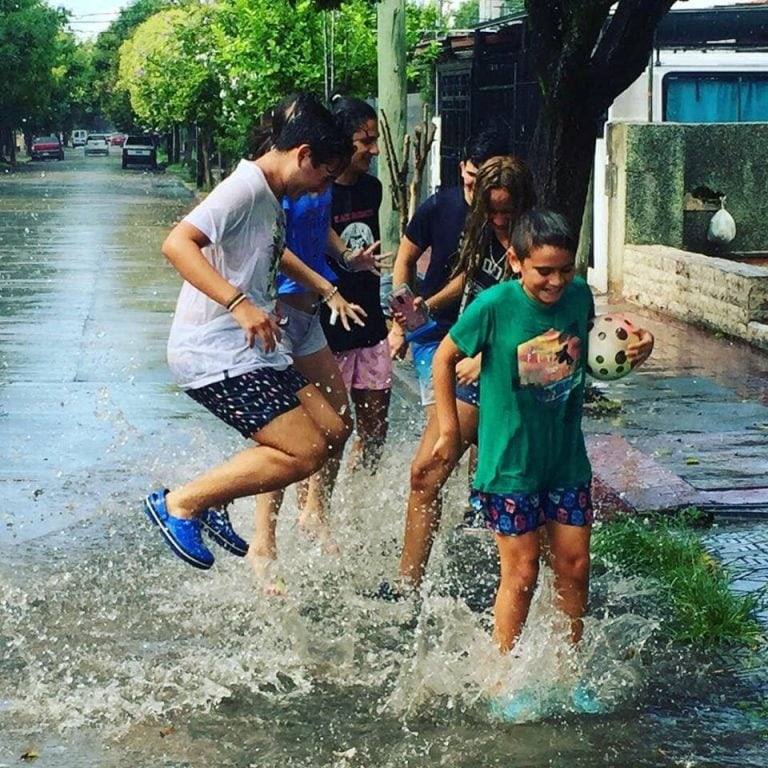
x=519, y=558
x=371, y=425
x=314, y=494
x=289, y=448
x=262, y=551
x=427, y=479
x=570, y=559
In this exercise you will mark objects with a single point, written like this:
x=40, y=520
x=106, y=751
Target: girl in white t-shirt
x=224, y=348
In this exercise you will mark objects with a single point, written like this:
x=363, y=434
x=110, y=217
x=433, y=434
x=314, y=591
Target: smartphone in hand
x=417, y=319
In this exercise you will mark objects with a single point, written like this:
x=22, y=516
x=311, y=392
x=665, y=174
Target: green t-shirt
x=532, y=390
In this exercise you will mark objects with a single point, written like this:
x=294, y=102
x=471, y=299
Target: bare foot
x=318, y=529
x=354, y=462
x=264, y=568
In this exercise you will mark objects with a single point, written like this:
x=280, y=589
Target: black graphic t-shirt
x=490, y=272
x=355, y=217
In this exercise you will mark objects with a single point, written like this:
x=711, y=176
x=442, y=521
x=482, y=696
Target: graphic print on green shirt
x=549, y=364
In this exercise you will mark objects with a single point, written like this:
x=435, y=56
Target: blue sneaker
x=182, y=536
x=516, y=708
x=216, y=523
x=585, y=701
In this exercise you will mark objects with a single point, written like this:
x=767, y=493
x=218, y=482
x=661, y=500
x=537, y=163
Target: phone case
x=401, y=301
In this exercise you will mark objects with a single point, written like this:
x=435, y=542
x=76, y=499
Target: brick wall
x=721, y=294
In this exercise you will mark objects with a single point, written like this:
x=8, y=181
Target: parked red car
x=46, y=146
x=117, y=139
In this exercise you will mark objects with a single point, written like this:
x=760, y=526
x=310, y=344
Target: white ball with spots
x=609, y=337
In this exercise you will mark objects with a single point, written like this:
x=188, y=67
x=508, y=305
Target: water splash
x=106, y=636
x=454, y=664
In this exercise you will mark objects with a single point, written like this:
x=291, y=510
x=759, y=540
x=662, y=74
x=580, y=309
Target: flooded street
x=113, y=653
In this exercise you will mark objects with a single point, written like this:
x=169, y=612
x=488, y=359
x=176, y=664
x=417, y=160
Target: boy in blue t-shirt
x=533, y=469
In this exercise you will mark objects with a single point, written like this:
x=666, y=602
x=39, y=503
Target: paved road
x=89, y=417
x=104, y=628
x=84, y=312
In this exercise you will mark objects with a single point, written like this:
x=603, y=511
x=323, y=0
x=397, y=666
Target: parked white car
x=96, y=144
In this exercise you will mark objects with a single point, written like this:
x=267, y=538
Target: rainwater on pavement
x=114, y=653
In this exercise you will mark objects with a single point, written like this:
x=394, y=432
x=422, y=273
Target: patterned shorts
x=250, y=401
x=513, y=514
x=366, y=367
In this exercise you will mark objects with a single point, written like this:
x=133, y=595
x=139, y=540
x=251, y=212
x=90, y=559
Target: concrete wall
x=658, y=254
x=717, y=293
x=665, y=161
x=655, y=159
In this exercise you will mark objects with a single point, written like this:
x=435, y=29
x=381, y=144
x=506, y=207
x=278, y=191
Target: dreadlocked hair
x=503, y=172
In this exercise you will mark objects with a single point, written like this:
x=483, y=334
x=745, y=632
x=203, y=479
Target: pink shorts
x=366, y=367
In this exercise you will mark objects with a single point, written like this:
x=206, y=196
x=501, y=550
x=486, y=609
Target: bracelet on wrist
x=345, y=254
x=328, y=296
x=235, y=301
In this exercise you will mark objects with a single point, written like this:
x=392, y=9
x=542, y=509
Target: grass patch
x=667, y=552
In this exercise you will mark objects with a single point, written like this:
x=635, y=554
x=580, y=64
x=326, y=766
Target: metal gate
x=485, y=80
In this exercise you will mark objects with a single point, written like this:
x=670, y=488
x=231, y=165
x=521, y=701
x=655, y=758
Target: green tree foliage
x=267, y=48
x=252, y=53
x=76, y=97
x=109, y=99
x=512, y=7
x=467, y=15
x=32, y=51
x=157, y=75
x=425, y=24
x=169, y=71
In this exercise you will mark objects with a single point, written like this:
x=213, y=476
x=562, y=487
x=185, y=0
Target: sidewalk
x=689, y=428
x=692, y=426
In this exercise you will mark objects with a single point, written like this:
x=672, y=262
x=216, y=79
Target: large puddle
x=115, y=654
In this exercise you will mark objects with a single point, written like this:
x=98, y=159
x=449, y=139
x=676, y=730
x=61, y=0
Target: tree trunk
x=6, y=137
x=199, y=159
x=176, y=144
x=585, y=56
x=392, y=100
x=584, y=252
x=562, y=154
x=204, y=175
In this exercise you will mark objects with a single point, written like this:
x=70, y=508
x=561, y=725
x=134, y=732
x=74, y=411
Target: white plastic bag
x=722, y=227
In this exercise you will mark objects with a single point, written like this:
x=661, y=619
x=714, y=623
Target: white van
x=79, y=135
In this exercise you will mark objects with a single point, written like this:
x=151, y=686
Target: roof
x=742, y=26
